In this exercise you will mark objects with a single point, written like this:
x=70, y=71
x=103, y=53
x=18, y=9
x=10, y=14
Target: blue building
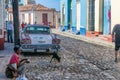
x=73, y=15
x=85, y=16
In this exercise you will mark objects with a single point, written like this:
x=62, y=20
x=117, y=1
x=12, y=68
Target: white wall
x=98, y=15
x=115, y=12
x=78, y=15
x=57, y=17
x=38, y=15
x=26, y=20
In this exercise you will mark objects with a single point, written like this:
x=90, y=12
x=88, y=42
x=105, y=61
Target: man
x=23, y=25
x=116, y=39
x=9, y=28
x=16, y=63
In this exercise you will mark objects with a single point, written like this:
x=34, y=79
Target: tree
x=16, y=22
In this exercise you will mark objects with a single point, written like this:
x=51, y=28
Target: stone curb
x=84, y=38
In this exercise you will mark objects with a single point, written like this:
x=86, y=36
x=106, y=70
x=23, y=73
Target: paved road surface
x=4, y=58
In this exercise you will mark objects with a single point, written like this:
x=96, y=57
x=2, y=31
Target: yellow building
x=115, y=12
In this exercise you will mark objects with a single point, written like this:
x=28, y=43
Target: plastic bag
x=21, y=78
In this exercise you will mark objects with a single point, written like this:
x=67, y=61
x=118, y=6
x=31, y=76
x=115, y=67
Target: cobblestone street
x=79, y=61
x=60, y=40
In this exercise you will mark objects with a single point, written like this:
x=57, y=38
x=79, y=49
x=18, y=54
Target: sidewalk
x=4, y=58
x=94, y=40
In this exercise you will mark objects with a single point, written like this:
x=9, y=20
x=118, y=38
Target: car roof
x=38, y=25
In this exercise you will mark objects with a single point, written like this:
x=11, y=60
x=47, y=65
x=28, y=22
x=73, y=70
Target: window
x=91, y=14
x=37, y=30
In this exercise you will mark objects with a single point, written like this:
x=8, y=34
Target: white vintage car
x=39, y=38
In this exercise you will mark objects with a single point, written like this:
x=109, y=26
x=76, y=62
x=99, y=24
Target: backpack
x=10, y=72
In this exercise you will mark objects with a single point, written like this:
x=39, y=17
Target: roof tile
x=30, y=7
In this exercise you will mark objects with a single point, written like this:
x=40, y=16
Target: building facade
x=115, y=12
x=40, y=14
x=2, y=23
x=73, y=15
x=89, y=17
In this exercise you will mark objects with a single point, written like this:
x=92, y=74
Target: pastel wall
x=98, y=16
x=66, y=12
x=107, y=4
x=78, y=11
x=73, y=16
x=115, y=12
x=83, y=18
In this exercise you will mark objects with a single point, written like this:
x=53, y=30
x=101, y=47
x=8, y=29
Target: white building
x=26, y=2
x=32, y=13
x=2, y=17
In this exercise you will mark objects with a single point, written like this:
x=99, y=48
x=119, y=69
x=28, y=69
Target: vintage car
x=39, y=38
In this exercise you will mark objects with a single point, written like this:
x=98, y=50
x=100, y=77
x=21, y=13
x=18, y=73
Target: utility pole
x=16, y=22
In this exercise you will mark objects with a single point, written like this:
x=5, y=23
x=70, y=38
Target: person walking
x=9, y=28
x=116, y=39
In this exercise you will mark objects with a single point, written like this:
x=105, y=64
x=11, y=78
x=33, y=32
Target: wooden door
x=45, y=19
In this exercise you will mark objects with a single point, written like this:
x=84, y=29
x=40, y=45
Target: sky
x=49, y=3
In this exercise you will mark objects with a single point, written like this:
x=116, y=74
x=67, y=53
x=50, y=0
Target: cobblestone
x=80, y=60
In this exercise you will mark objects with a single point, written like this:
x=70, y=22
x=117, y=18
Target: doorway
x=45, y=18
x=70, y=14
x=91, y=15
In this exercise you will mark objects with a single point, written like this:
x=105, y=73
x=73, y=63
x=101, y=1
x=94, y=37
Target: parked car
x=39, y=38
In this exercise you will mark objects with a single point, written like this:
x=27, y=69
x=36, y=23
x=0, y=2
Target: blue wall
x=106, y=22
x=69, y=5
x=67, y=15
x=83, y=17
x=73, y=16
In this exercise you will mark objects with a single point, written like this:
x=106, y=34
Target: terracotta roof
x=30, y=7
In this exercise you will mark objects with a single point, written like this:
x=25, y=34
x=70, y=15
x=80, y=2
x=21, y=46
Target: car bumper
x=49, y=48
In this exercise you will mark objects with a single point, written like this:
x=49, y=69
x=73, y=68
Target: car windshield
x=37, y=30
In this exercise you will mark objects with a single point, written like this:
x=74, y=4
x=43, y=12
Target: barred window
x=91, y=15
